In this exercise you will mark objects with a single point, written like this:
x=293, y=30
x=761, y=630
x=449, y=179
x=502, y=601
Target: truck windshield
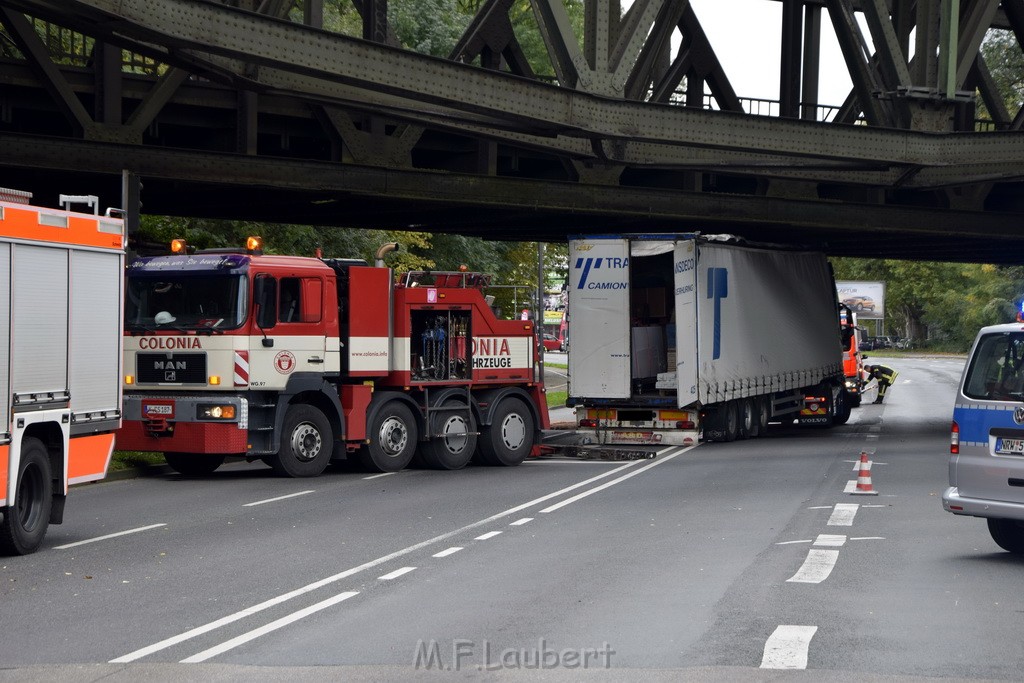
x=996, y=372
x=191, y=302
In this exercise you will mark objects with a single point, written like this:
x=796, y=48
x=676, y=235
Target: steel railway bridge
x=257, y=110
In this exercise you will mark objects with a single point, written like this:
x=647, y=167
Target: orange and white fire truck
x=60, y=359
x=298, y=361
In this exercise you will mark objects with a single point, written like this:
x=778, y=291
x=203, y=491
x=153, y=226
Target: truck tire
x=392, y=435
x=24, y=523
x=764, y=411
x=842, y=408
x=731, y=423
x=194, y=464
x=452, y=437
x=306, y=443
x=1008, y=534
x=509, y=438
x=722, y=422
x=748, y=428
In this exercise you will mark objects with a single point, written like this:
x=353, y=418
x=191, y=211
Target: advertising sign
x=866, y=299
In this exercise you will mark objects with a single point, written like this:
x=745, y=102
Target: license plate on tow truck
x=1006, y=446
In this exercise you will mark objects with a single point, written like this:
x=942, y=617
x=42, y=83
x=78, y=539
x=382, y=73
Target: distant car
x=860, y=303
x=552, y=343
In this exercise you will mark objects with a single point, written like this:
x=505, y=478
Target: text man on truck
x=680, y=336
x=60, y=359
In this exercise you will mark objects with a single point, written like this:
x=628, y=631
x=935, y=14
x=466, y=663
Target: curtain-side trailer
x=680, y=337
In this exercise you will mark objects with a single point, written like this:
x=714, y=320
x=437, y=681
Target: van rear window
x=996, y=372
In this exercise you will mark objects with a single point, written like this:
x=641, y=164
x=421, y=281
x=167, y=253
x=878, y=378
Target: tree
x=1005, y=61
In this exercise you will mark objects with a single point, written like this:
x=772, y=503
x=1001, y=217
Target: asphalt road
x=716, y=560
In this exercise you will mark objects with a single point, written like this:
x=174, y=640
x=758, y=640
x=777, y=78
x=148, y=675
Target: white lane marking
x=651, y=464
x=316, y=585
x=820, y=507
x=489, y=534
x=787, y=647
x=872, y=437
x=832, y=540
x=807, y=540
x=263, y=630
x=816, y=567
x=874, y=506
x=274, y=500
x=520, y=522
x=851, y=486
x=449, y=551
x=843, y=514
x=377, y=476
x=867, y=538
x=395, y=574
x=103, y=538
x=871, y=463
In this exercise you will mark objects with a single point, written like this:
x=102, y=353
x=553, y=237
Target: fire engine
x=60, y=358
x=298, y=361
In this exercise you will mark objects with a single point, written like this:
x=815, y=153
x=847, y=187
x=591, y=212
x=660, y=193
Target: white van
x=986, y=468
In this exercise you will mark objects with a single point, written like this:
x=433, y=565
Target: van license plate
x=1009, y=446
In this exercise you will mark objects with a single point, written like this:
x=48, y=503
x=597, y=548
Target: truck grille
x=171, y=368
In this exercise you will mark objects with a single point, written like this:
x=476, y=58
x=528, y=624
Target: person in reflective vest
x=885, y=376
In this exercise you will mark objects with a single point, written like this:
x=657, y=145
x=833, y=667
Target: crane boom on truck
x=681, y=336
x=60, y=359
x=298, y=361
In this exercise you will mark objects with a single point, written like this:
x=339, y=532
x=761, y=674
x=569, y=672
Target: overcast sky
x=747, y=37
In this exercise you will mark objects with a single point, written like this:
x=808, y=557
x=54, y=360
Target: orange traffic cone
x=864, y=487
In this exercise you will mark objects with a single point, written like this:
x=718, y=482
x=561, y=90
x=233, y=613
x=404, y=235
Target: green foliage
x=943, y=303
x=1006, y=63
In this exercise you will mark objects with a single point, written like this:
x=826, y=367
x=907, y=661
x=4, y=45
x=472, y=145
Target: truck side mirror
x=265, y=301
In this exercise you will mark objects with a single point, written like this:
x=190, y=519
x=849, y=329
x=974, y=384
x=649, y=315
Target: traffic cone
x=864, y=487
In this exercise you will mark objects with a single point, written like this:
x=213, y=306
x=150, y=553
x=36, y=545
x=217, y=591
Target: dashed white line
x=787, y=647
x=851, y=486
x=867, y=538
x=816, y=568
x=377, y=476
x=316, y=585
x=263, y=630
x=520, y=522
x=843, y=514
x=830, y=540
x=446, y=553
x=274, y=500
x=395, y=574
x=489, y=534
x=108, y=536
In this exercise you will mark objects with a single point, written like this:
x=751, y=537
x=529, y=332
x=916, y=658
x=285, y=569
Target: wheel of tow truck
x=1008, y=534
x=194, y=464
x=509, y=438
x=25, y=523
x=393, y=435
x=731, y=421
x=306, y=444
x=452, y=437
x=747, y=419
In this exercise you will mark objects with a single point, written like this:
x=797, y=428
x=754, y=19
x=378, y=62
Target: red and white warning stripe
x=241, y=368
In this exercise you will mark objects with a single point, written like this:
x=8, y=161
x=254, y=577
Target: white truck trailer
x=60, y=359
x=681, y=337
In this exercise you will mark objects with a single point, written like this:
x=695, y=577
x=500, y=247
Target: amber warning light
x=179, y=246
x=254, y=245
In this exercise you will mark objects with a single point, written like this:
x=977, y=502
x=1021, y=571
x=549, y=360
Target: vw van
x=986, y=465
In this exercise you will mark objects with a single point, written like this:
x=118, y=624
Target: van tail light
x=954, y=438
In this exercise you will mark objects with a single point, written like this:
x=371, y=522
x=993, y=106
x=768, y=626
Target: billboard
x=867, y=299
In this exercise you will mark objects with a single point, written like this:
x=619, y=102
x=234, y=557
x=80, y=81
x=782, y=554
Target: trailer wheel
x=25, y=523
x=509, y=438
x=731, y=421
x=307, y=444
x=747, y=415
x=763, y=408
x=194, y=464
x=392, y=436
x=452, y=437
x=842, y=408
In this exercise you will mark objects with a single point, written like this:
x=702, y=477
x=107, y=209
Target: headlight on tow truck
x=215, y=412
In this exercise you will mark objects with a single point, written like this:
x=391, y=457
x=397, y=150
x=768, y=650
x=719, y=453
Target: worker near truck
x=885, y=376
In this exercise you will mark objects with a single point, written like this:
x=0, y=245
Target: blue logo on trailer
x=718, y=289
x=588, y=263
